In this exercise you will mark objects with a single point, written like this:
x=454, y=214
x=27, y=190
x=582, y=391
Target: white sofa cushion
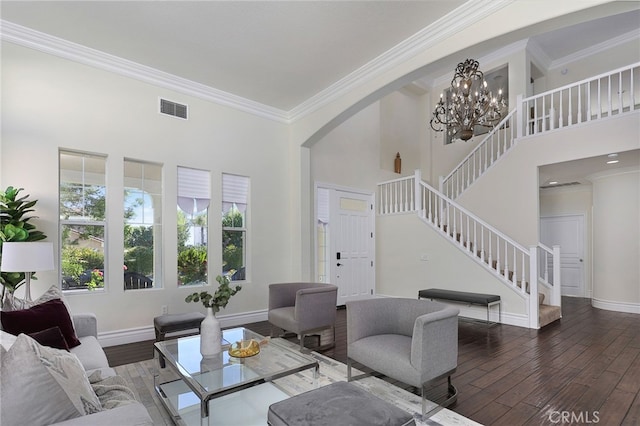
x=42, y=385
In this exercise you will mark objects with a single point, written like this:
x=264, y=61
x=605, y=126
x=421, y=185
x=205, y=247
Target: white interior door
x=568, y=233
x=351, y=227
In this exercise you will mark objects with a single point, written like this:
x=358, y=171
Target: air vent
x=558, y=185
x=173, y=108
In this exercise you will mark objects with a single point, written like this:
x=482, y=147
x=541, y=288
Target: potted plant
x=15, y=227
x=210, y=334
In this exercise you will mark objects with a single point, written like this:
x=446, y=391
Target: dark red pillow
x=51, y=337
x=40, y=317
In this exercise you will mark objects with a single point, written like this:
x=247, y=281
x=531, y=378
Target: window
x=82, y=220
x=235, y=191
x=193, y=217
x=322, y=235
x=142, y=224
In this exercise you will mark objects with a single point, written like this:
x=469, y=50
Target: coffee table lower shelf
x=247, y=407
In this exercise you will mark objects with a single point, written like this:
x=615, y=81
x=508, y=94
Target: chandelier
x=467, y=104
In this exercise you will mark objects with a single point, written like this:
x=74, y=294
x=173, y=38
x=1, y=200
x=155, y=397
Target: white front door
x=351, y=226
x=568, y=233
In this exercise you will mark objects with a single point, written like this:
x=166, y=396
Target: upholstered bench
x=488, y=300
x=172, y=323
x=340, y=403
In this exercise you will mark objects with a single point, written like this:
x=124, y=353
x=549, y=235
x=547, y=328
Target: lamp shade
x=27, y=257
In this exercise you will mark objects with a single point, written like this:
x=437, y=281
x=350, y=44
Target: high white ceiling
x=276, y=53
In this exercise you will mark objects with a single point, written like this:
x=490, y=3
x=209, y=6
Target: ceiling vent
x=173, y=108
x=558, y=185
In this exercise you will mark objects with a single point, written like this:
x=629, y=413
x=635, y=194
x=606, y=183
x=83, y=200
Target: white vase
x=210, y=335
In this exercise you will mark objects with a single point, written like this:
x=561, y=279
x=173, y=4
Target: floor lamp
x=27, y=257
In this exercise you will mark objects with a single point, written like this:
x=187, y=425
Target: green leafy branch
x=217, y=300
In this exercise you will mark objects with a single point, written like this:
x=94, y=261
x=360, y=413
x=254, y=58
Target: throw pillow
x=42, y=385
x=51, y=337
x=40, y=317
x=6, y=340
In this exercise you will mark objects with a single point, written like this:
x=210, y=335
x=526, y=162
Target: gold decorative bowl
x=244, y=348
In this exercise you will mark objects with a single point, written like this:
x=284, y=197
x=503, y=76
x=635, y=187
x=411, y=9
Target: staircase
x=603, y=96
x=526, y=271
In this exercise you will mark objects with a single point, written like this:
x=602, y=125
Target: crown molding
x=450, y=24
x=596, y=48
x=538, y=54
x=494, y=56
x=46, y=43
x=455, y=21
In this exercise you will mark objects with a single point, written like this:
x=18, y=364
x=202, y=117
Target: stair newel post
x=419, y=202
x=533, y=288
x=556, y=298
x=521, y=116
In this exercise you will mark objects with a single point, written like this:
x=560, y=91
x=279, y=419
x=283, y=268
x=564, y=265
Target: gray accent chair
x=303, y=308
x=412, y=341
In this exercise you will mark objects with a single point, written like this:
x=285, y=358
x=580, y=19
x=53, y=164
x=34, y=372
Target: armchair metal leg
x=449, y=398
x=301, y=336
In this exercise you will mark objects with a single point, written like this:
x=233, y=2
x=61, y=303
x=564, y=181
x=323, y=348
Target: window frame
x=62, y=223
x=157, y=227
x=198, y=195
x=243, y=230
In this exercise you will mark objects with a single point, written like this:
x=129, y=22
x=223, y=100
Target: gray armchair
x=303, y=308
x=412, y=341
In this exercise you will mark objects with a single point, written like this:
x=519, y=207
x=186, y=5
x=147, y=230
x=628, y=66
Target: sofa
x=31, y=393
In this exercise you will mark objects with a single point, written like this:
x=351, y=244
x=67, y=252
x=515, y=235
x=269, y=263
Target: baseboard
x=609, y=305
x=140, y=334
x=480, y=313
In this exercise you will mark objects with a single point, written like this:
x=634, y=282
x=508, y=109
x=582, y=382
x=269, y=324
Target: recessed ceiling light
x=613, y=161
x=553, y=182
x=612, y=155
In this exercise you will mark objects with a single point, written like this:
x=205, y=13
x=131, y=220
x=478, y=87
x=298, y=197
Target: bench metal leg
x=489, y=306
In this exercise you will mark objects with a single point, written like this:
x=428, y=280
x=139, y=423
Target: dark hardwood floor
x=583, y=369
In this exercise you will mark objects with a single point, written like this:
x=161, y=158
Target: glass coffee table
x=224, y=389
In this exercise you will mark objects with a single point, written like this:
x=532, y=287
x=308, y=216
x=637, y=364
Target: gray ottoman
x=339, y=403
x=171, y=323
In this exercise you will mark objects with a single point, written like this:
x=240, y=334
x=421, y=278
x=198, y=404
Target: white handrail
x=397, y=196
x=589, y=99
x=493, y=248
x=608, y=94
x=495, y=144
x=518, y=267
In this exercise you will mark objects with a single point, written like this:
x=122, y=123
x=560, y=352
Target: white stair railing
x=496, y=251
x=549, y=271
x=606, y=95
x=397, y=195
x=519, y=268
x=603, y=96
x=498, y=141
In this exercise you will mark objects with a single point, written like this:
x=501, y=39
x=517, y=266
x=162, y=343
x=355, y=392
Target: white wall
x=50, y=103
x=507, y=195
x=359, y=153
x=616, y=246
x=400, y=121
x=350, y=154
x=593, y=65
x=411, y=256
